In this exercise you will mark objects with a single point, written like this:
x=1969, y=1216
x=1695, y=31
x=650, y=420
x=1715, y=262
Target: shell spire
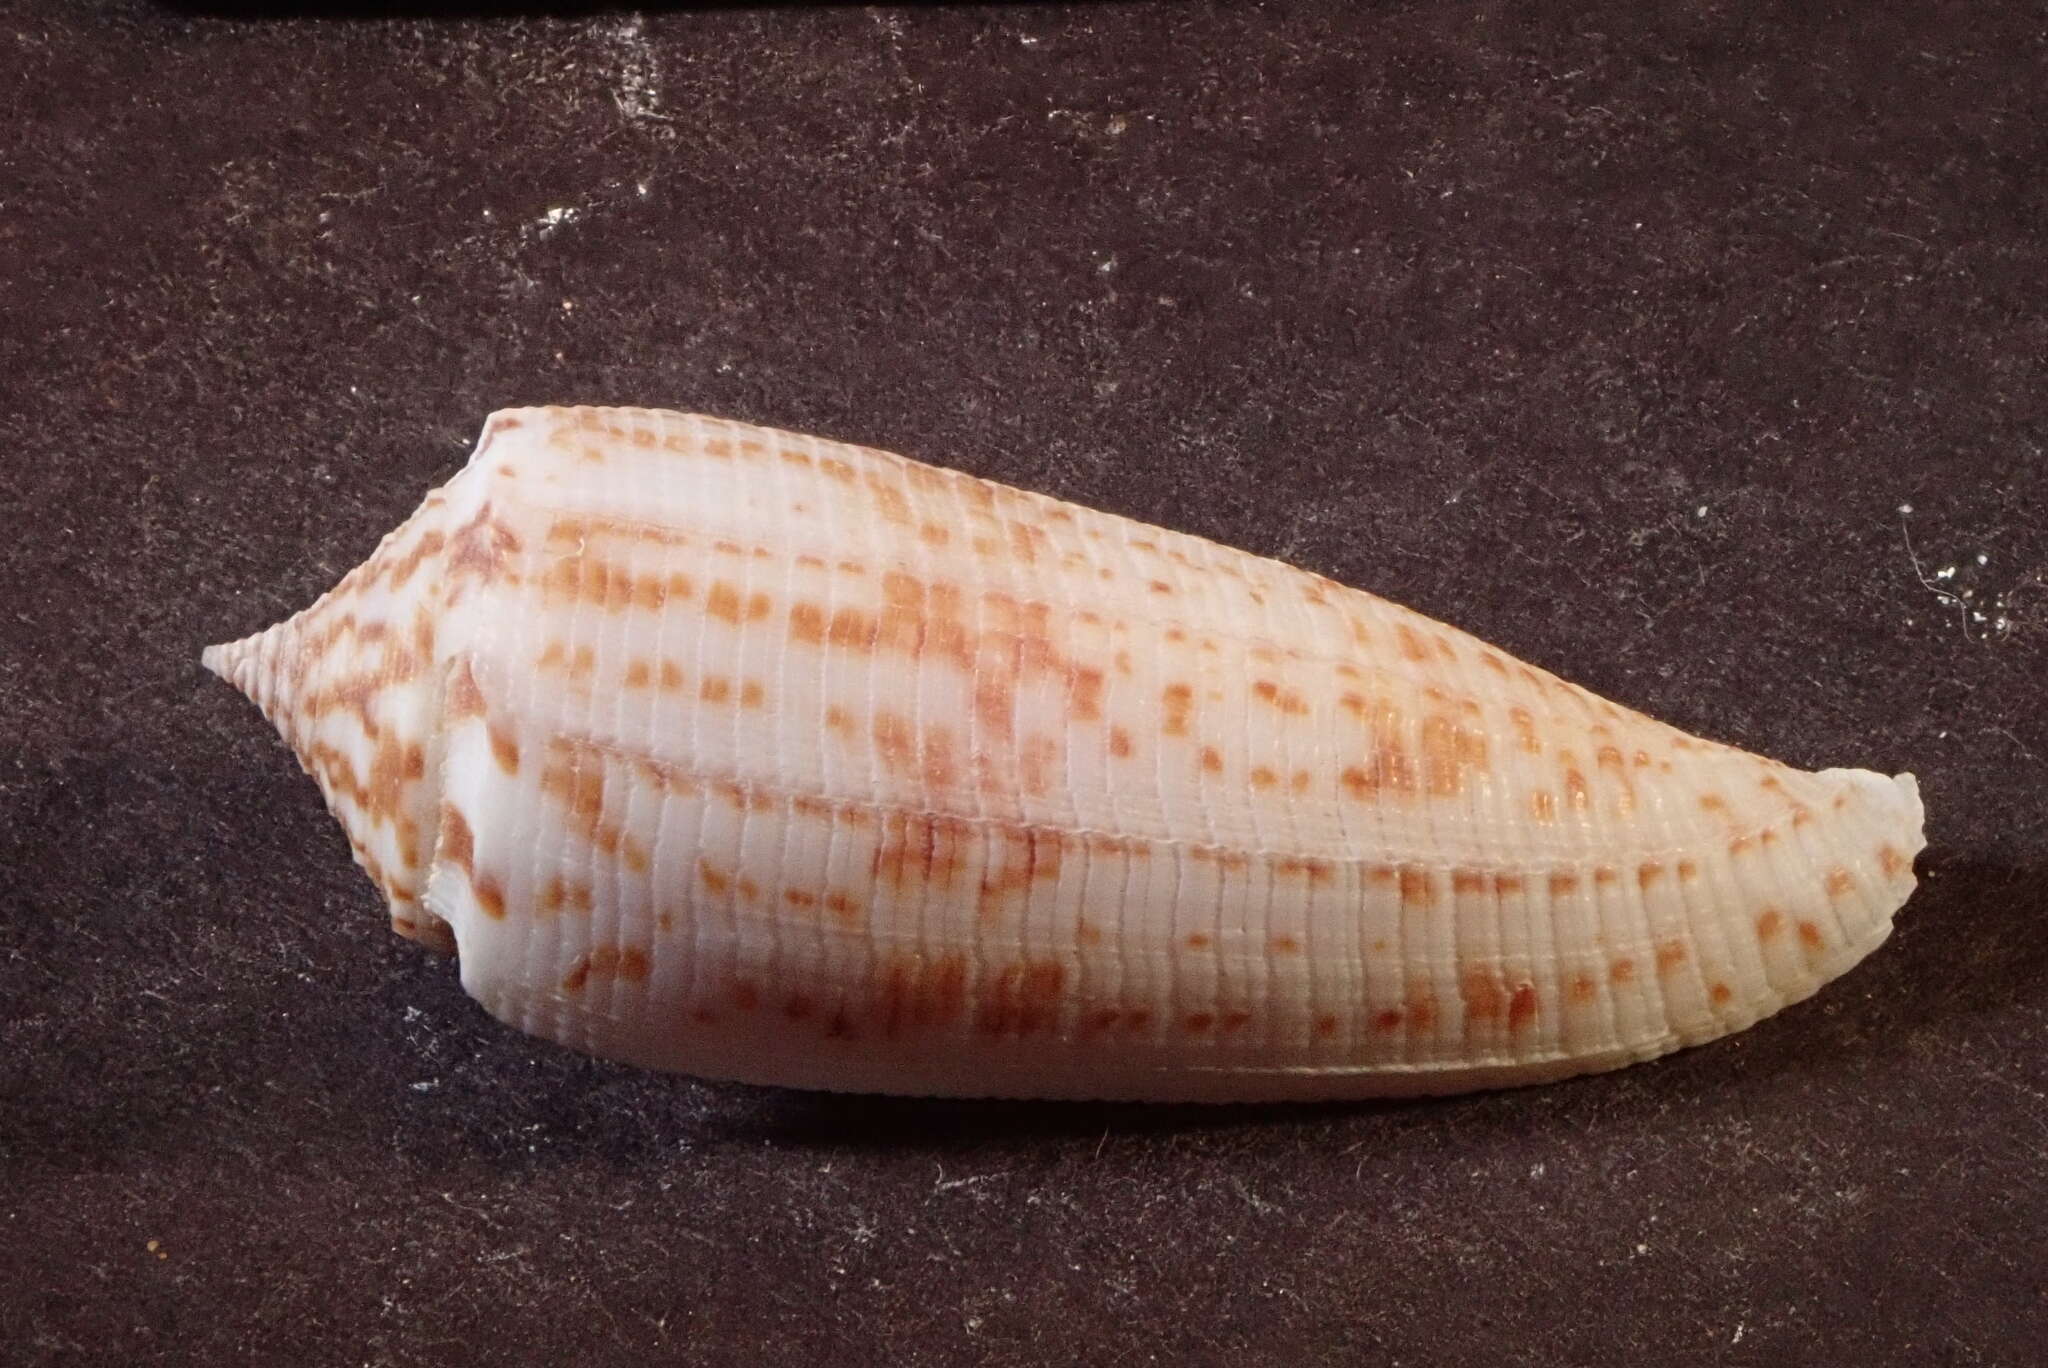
x=759, y=756
x=354, y=684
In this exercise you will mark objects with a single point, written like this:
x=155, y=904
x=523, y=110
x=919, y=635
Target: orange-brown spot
x=1522, y=1006
x=838, y=719
x=639, y=675
x=1212, y=760
x=1178, y=701
x=1357, y=782
x=1606, y=874
x=723, y=602
x=1670, y=955
x=1417, y=889
x=1563, y=884
x=715, y=689
x=889, y=501
x=807, y=623
x=715, y=879
x=1469, y=881
x=853, y=629
x=1421, y=1009
x=1809, y=935
x=918, y=850
x=1577, y=791
x=1412, y=645
x=1839, y=882
x=1263, y=778
x=1314, y=870
x=458, y=842
x=1285, y=945
x=465, y=699
x=1714, y=802
x=895, y=742
x=1740, y=844
x=1027, y=540
x=1021, y=999
x=1393, y=767
x=1087, y=933
x=1388, y=1021
x=1284, y=700
x=1622, y=970
x=1688, y=871
x=1649, y=872
x=1198, y=1022
x=1024, y=856
x=1768, y=923
x=1198, y=940
x=559, y=895
x=490, y=896
x=1084, y=693
x=1525, y=730
x=1892, y=862
x=1720, y=993
x=1326, y=1025
x=1484, y=997
x=1543, y=805
x=1449, y=752
x=917, y=991
x=1583, y=988
x=1119, y=743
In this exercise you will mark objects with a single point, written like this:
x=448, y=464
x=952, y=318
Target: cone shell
x=726, y=750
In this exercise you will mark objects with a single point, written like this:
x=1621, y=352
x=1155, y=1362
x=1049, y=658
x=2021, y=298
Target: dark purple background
x=1621, y=335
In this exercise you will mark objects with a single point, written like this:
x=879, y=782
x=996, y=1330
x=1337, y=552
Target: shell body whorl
x=757, y=756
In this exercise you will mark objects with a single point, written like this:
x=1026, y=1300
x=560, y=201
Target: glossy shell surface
x=727, y=750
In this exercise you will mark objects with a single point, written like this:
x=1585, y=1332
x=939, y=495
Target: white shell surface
x=758, y=756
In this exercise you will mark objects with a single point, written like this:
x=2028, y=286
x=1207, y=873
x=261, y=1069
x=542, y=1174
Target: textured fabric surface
x=1698, y=356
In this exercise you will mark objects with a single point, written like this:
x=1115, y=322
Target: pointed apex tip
x=248, y=664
